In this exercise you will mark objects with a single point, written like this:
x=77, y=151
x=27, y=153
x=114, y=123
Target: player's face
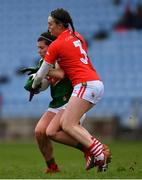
x=42, y=48
x=54, y=29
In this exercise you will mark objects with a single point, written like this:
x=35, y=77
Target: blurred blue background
x=116, y=54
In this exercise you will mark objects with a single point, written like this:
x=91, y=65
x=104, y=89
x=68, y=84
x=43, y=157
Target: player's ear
x=60, y=26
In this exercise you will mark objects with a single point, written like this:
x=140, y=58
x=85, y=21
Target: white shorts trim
x=92, y=91
x=56, y=110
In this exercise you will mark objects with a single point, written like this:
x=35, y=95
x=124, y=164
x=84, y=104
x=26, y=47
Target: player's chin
x=50, y=31
x=42, y=55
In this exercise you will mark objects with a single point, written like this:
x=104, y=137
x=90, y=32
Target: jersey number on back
x=82, y=51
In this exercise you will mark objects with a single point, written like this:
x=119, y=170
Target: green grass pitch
x=24, y=161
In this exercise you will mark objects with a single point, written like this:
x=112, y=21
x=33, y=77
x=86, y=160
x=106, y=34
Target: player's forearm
x=56, y=73
x=41, y=73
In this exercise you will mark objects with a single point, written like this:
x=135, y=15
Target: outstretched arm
x=41, y=73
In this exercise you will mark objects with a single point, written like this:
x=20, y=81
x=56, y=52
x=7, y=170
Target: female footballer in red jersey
x=69, y=49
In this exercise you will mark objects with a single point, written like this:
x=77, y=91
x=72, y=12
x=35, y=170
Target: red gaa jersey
x=71, y=54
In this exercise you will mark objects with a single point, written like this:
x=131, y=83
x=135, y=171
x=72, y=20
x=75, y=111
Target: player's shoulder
x=80, y=36
x=54, y=44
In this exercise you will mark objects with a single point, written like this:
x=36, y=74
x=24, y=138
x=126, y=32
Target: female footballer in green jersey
x=61, y=89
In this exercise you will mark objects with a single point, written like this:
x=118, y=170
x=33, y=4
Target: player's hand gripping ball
x=43, y=86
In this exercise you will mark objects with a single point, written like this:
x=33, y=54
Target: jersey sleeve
x=51, y=54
